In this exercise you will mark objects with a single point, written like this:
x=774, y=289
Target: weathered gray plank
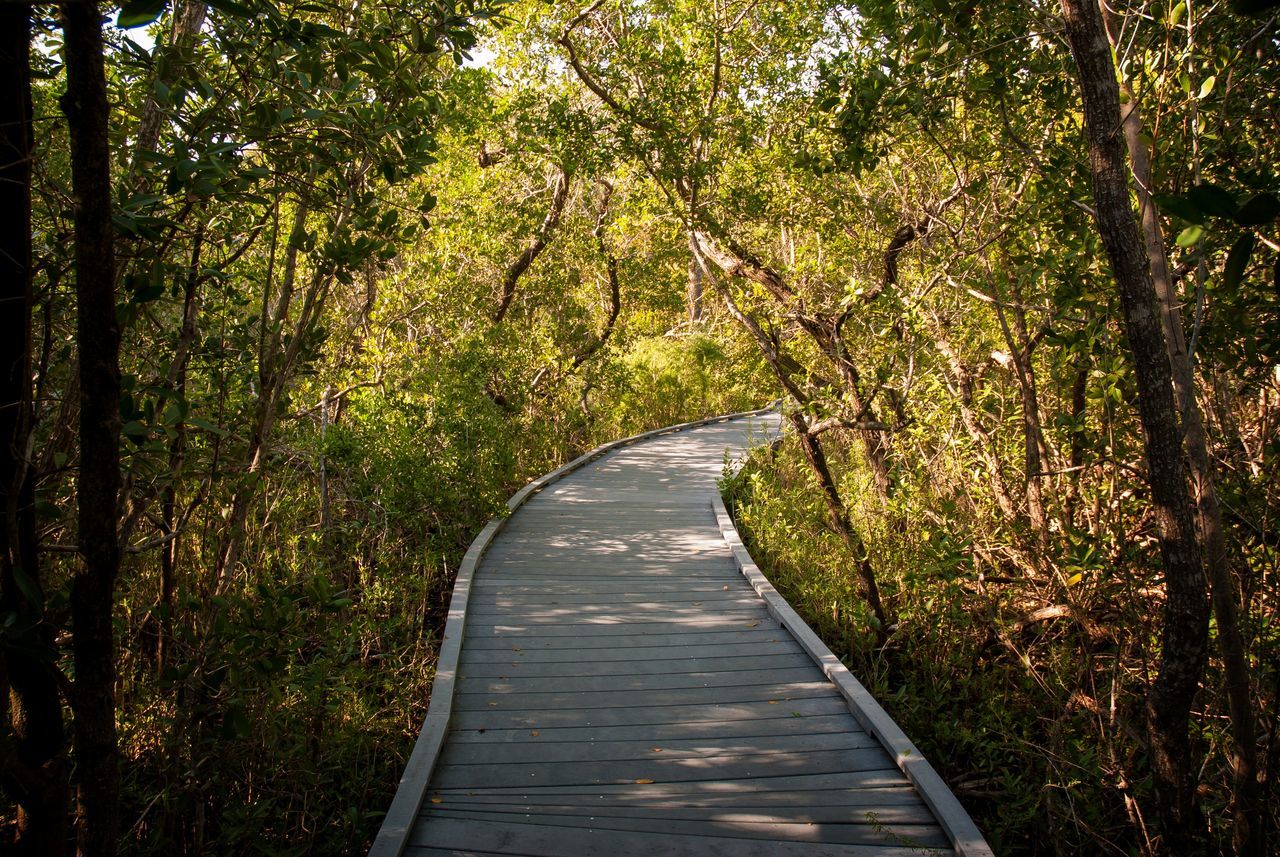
x=674, y=679
x=537, y=748
x=588, y=604
x=763, y=644
x=915, y=813
x=862, y=781
x=909, y=835
x=660, y=769
x=792, y=800
x=607, y=700
x=681, y=664
x=783, y=723
x=536, y=840
x=493, y=718
x=636, y=633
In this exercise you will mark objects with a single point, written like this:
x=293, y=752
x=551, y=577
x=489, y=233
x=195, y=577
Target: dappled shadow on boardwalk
x=623, y=690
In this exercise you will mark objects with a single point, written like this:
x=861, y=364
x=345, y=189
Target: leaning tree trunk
x=1186, y=612
x=98, y=489
x=33, y=766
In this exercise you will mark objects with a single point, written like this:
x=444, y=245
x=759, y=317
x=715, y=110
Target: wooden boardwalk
x=617, y=678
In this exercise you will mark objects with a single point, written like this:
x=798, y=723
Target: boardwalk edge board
x=965, y=837
x=397, y=824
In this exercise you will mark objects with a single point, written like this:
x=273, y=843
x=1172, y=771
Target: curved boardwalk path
x=628, y=684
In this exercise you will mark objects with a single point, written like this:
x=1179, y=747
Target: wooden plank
x=640, y=611
x=924, y=836
x=781, y=724
x=676, y=679
x=601, y=701
x=764, y=644
x=689, y=590
x=915, y=813
x=535, y=748
x=794, y=801
x=534, y=840
x=682, y=664
x=716, y=598
x=770, y=787
x=492, y=718
x=659, y=769
x=635, y=631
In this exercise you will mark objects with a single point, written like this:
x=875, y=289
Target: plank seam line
x=964, y=835
x=397, y=824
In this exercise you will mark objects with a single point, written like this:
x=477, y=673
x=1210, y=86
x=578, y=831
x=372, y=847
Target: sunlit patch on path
x=623, y=688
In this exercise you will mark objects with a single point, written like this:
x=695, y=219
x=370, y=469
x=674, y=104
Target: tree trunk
x=33, y=765
x=1186, y=612
x=1248, y=816
x=98, y=487
x=693, y=290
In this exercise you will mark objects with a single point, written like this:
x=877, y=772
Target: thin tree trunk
x=611, y=271
x=1248, y=816
x=559, y=194
x=1020, y=351
x=98, y=486
x=1186, y=613
x=185, y=23
x=811, y=446
x=693, y=290
x=33, y=765
x=177, y=455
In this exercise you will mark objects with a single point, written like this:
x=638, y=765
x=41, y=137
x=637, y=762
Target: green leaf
x=1213, y=200
x=138, y=13
x=231, y=8
x=1207, y=86
x=202, y=423
x=1261, y=209
x=1180, y=207
x=1190, y=236
x=1237, y=260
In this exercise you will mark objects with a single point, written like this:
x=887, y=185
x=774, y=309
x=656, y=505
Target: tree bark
x=1247, y=828
x=1186, y=612
x=693, y=290
x=33, y=767
x=98, y=488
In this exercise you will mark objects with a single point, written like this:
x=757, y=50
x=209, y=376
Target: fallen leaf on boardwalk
x=643, y=782
x=493, y=705
x=534, y=733
x=725, y=588
x=657, y=749
x=775, y=640
x=773, y=702
x=752, y=624
x=437, y=800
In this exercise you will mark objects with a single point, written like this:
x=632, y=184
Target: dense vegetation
x=296, y=293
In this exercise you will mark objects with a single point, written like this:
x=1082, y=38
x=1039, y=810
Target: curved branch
x=589, y=81
x=525, y=259
x=611, y=266
x=735, y=261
